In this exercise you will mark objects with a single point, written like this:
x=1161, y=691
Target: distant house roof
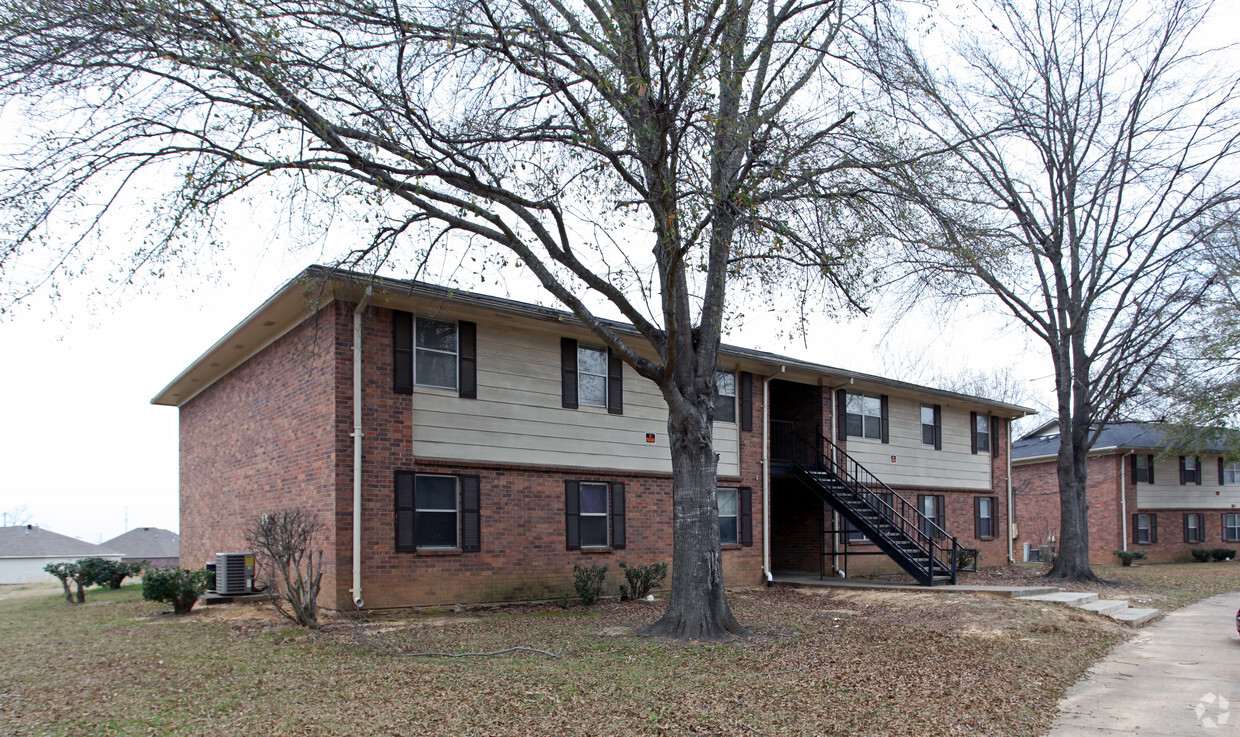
x=147, y=542
x=318, y=285
x=30, y=541
x=1148, y=436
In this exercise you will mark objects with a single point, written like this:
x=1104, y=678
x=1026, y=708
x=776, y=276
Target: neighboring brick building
x=1140, y=497
x=499, y=447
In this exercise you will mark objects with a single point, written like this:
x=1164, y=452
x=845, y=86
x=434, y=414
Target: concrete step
x=1109, y=607
x=1136, y=617
x=1071, y=598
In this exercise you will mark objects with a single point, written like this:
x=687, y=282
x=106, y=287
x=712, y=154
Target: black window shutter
x=568, y=369
x=938, y=427
x=1135, y=519
x=882, y=411
x=973, y=432
x=617, y=515
x=994, y=437
x=940, y=513
x=402, y=352
x=467, y=360
x=747, y=401
x=745, y=497
x=1150, y=466
x=406, y=537
x=1220, y=470
x=572, y=516
x=1132, y=471
x=1200, y=470
x=977, y=518
x=471, y=514
x=1186, y=530
x=1153, y=528
x=615, y=384
x=841, y=413
x=1183, y=471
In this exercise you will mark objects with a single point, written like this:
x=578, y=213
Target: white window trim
x=1235, y=526
x=721, y=395
x=877, y=416
x=456, y=486
x=983, y=433
x=581, y=487
x=1148, y=528
x=736, y=493
x=581, y=373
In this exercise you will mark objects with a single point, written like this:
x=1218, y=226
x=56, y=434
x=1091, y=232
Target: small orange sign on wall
x=649, y=437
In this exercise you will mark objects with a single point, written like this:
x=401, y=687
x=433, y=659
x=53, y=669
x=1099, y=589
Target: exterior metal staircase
x=914, y=541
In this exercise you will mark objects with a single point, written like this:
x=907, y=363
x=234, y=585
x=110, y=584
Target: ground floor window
x=729, y=516
x=984, y=524
x=594, y=514
x=437, y=511
x=1145, y=528
x=1231, y=528
x=1194, y=528
x=933, y=510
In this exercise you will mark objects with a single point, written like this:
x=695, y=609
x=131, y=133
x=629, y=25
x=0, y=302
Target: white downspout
x=1123, y=503
x=835, y=441
x=357, y=451
x=1011, y=502
x=766, y=475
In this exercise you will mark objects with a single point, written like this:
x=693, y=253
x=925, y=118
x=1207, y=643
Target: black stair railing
x=912, y=538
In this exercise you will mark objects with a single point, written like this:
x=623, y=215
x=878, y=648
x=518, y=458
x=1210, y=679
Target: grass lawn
x=833, y=662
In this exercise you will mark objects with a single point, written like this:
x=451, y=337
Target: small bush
x=966, y=558
x=642, y=579
x=1223, y=553
x=1128, y=556
x=588, y=581
x=104, y=572
x=1202, y=556
x=175, y=586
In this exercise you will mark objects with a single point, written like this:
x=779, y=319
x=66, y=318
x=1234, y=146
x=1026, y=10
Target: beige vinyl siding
x=916, y=464
x=1167, y=493
x=517, y=417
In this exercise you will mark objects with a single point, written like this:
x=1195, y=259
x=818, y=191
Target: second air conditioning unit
x=234, y=573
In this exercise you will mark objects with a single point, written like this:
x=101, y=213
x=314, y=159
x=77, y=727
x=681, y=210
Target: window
x=729, y=516
x=1190, y=470
x=435, y=349
x=1194, y=528
x=980, y=432
x=930, y=422
x=1231, y=528
x=590, y=376
x=984, y=516
x=434, y=353
x=1143, y=469
x=436, y=511
x=1144, y=528
x=864, y=416
x=725, y=396
x=933, y=509
x=852, y=535
x=594, y=514
x=1231, y=473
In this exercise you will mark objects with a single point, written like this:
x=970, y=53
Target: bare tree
x=648, y=157
x=1091, y=139
x=285, y=539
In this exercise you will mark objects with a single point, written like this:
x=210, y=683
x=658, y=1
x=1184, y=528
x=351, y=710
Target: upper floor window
x=981, y=433
x=435, y=353
x=1231, y=473
x=592, y=376
x=725, y=396
x=929, y=425
x=864, y=416
x=1143, y=469
x=1190, y=470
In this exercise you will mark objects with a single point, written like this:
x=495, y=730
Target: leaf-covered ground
x=823, y=662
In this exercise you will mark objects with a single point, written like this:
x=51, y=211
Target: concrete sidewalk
x=1180, y=676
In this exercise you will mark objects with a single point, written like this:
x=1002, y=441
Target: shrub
x=588, y=581
x=66, y=572
x=966, y=558
x=642, y=579
x=175, y=586
x=1202, y=556
x=1223, y=553
x=1128, y=556
x=110, y=573
x=285, y=542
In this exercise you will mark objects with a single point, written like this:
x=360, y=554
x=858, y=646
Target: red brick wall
x=1170, y=547
x=261, y=439
x=1036, y=489
x=796, y=528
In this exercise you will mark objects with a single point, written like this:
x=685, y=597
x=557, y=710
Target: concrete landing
x=1014, y=592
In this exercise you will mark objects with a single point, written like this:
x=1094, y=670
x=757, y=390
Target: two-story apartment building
x=1141, y=497
x=466, y=448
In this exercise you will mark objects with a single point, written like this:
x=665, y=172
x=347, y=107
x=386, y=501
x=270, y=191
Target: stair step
x=1135, y=617
x=1116, y=609
x=1109, y=607
x=1071, y=598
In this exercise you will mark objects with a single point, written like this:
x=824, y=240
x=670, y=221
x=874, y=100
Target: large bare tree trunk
x=699, y=607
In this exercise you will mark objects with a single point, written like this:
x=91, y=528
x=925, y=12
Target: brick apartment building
x=465, y=448
x=1140, y=497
